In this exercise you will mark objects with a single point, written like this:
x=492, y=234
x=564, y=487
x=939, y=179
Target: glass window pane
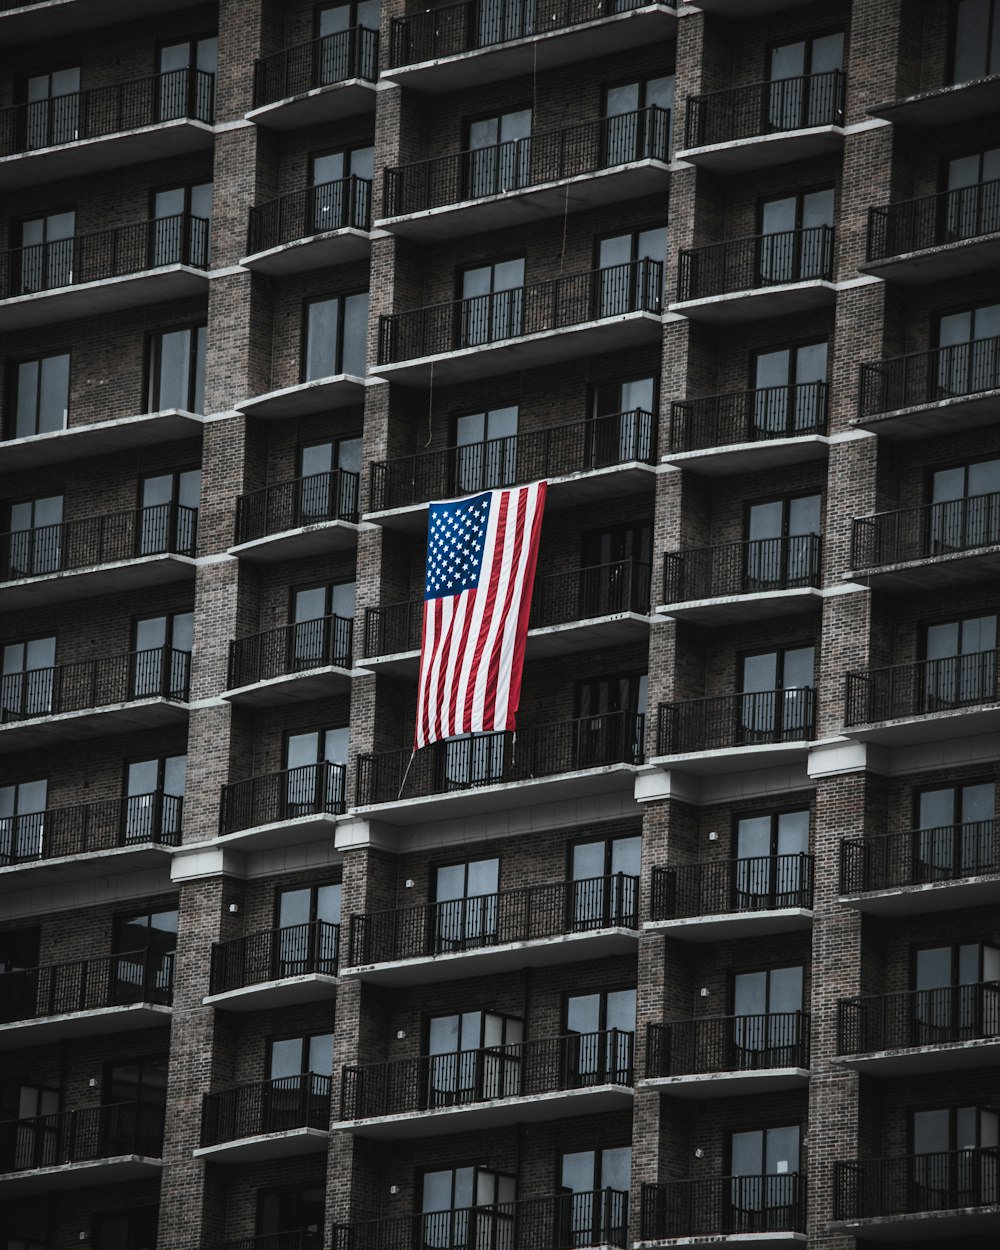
x=355, y=334
x=322, y=318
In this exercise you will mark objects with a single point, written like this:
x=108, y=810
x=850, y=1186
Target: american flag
x=481, y=555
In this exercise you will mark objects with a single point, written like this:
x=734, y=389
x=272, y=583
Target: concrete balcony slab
x=317, y=251
x=945, y=1227
x=27, y=23
x=924, y=899
x=98, y=722
x=64, y=1176
x=319, y=827
x=943, y=106
x=744, y=8
x=102, y=579
x=960, y=722
x=755, y=1241
x=734, y=458
x=349, y=98
x=93, y=299
x=944, y=416
x=982, y=1052
x=313, y=987
x=729, y=926
x=305, y=540
x=63, y=869
x=957, y=568
x=102, y=438
x=75, y=1024
x=711, y=1085
x=743, y=156
x=320, y=395
x=738, y=609
x=314, y=683
x=285, y=1145
x=736, y=759
x=738, y=307
x=933, y=264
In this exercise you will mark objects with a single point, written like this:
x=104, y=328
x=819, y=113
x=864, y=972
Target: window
x=299, y=1070
x=334, y=203
x=777, y=695
x=605, y=873
x=145, y=943
x=182, y=219
x=771, y=868
x=154, y=798
x=968, y=359
x=126, y=1230
x=601, y=1035
x=20, y=1243
x=187, y=75
x=611, y=720
x=965, y=507
x=41, y=396
x=162, y=656
x=616, y=565
x=596, y=1184
x=789, y=387
x=290, y=1209
x=19, y=949
x=311, y=784
x=954, y=834
x=631, y=272
x=465, y=904
x=462, y=1207
x=797, y=240
x=28, y=678
x=22, y=821
x=622, y=425
x=36, y=537
x=492, y=305
x=47, y=249
x=499, y=154
x=960, y=663
x=954, y=1149
x=767, y=1029
x=30, y=1136
x=764, y=1166
x=177, y=370
x=329, y=473
x=336, y=331
x=322, y=634
x=805, y=82
x=306, y=920
x=637, y=119
x=485, y=450
x=956, y=996
x=53, y=108
x=169, y=516
x=972, y=205
x=472, y=1056
x=336, y=50
x=976, y=40
x=139, y=1081
x=782, y=548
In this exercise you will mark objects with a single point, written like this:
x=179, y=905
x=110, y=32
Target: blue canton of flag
x=455, y=540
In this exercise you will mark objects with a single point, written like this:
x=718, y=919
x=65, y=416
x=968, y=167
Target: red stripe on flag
x=528, y=584
x=493, y=674
x=491, y=597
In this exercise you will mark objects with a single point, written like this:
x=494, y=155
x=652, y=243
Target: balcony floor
x=538, y=53
x=74, y=1024
x=733, y=458
x=64, y=17
x=292, y=688
x=739, y=307
x=312, y=987
x=959, y=722
x=316, y=828
x=306, y=540
x=744, y=8
x=755, y=1241
x=923, y=1226
x=744, y=156
x=285, y=1145
x=918, y=900
x=92, y=299
x=729, y=926
x=947, y=416
x=65, y=1176
x=344, y=390
x=322, y=104
x=909, y=1060
x=740, y=609
x=705, y=1086
x=943, y=106
x=735, y=759
x=62, y=869
x=957, y=568
x=933, y=264
x=102, y=438
x=68, y=727
x=101, y=579
x=317, y=251
x=484, y=1116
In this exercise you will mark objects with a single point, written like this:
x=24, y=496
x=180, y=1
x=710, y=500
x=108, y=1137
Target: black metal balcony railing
x=162, y=529
x=765, y=108
x=743, y=568
x=920, y=856
x=579, y=446
x=456, y=28
x=81, y=1136
x=937, y=529
x=930, y=1017
x=947, y=1180
x=497, y=758
x=310, y=790
x=278, y=1106
x=144, y=245
x=931, y=377
x=546, y=156
x=294, y=648
x=919, y=689
x=273, y=1241
x=748, y=416
x=540, y=307
x=344, y=204
x=159, y=673
x=304, y=501
x=736, y=720
x=591, y=1218
x=516, y=1070
x=87, y=985
x=525, y=915
x=728, y=1044
x=760, y=260
x=134, y=820
x=275, y=954
x=757, y=883
x=324, y=62
x=170, y=96
x=933, y=221
x=725, y=1206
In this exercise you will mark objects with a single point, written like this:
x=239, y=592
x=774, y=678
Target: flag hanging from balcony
x=481, y=556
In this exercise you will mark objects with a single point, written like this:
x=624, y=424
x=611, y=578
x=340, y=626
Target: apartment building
x=708, y=952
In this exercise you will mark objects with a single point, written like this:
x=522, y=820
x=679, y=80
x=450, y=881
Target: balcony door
x=600, y=1031
x=782, y=550
x=182, y=218
x=290, y=1210
x=336, y=48
x=498, y=21
x=615, y=574
x=776, y=689
x=320, y=635
x=492, y=306
x=622, y=424
x=767, y=1028
x=22, y=821
x=630, y=272
x=466, y=1207
x=134, y=1229
x=972, y=202
x=154, y=796
x=975, y=40
x=498, y=159
x=306, y=917
x=594, y=1204
x=144, y=945
x=465, y=904
x=771, y=864
x=135, y=1097
x=28, y=679
x=177, y=370
x=789, y=387
x=52, y=112
x=796, y=245
x=19, y=953
x=969, y=351
x=957, y=993
x=485, y=455
x=29, y=1127
x=311, y=785
x=631, y=130
x=329, y=472
x=472, y=760
x=965, y=507
x=333, y=203
x=610, y=720
x=954, y=833
x=300, y=1070
x=168, y=518
x=48, y=246
x=954, y=1158
x=804, y=87
x=764, y=1166
x=960, y=663
x=187, y=74
x=161, y=656
x=41, y=396
x=473, y=1056
x=36, y=537
x=604, y=875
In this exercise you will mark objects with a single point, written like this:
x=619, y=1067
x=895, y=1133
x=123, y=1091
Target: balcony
x=936, y=546
x=323, y=225
x=600, y=605
x=733, y=898
x=277, y=809
x=943, y=106
x=744, y=581
x=951, y=867
x=936, y=236
x=275, y=968
x=765, y=124
x=767, y=1211
x=98, y=438
x=546, y=174
x=947, y=1194
x=537, y=927
x=949, y=1028
x=76, y=1149
x=110, y=836
x=473, y=776
x=305, y=517
x=907, y=703
x=324, y=80
x=465, y=45
x=304, y=399
x=269, y=1120
x=28, y=21
x=293, y=662
x=91, y=275
x=763, y=275
x=527, y=327
x=524, y=1082
x=111, y=695
x=770, y=726
x=931, y=393
x=88, y=998
x=728, y=1056
x=98, y=555
x=87, y=132
x=593, y=1218
x=745, y=431
x=583, y=462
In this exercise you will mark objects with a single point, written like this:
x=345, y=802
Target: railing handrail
x=100, y=518
x=754, y=238
x=297, y=68
x=869, y=673
x=992, y=341
x=87, y=985
x=274, y=954
x=336, y=631
x=269, y=797
x=861, y=1000
x=145, y=223
x=743, y=543
x=51, y=842
x=716, y=1205
x=928, y=507
x=755, y=87
x=913, y=224
x=293, y=215
x=313, y=187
